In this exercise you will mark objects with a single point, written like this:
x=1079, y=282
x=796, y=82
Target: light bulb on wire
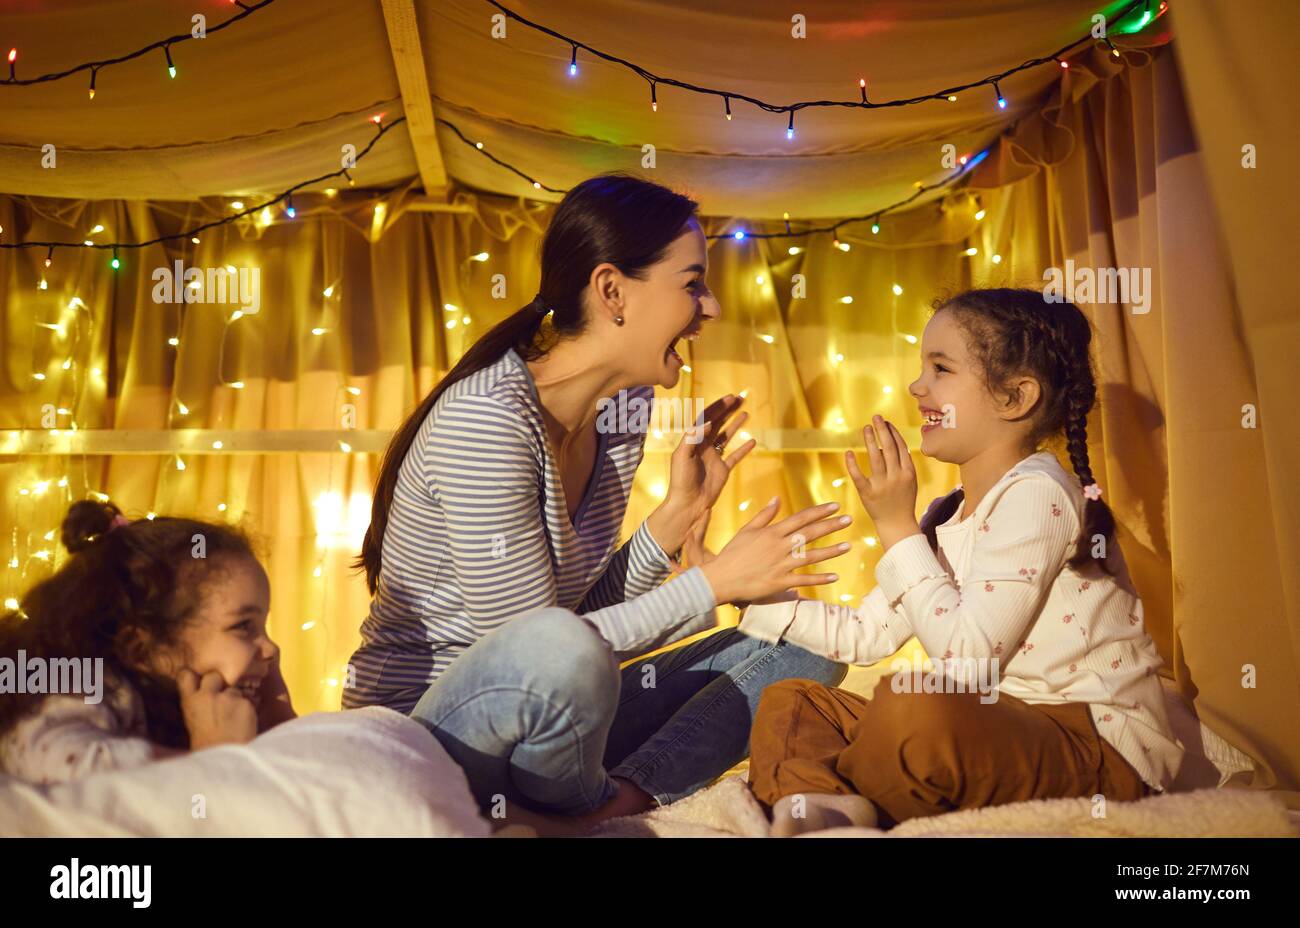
x=1002, y=101
x=573, y=63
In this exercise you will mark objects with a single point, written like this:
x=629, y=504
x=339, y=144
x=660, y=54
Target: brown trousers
x=915, y=754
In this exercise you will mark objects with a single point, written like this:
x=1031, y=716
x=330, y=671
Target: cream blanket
x=728, y=809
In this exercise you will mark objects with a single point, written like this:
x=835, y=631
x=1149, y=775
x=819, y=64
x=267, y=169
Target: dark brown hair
x=613, y=219
x=124, y=590
x=1018, y=331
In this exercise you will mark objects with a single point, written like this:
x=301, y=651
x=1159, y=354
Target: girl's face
x=959, y=415
x=667, y=309
x=228, y=632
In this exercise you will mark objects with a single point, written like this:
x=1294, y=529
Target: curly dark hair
x=1012, y=332
x=126, y=589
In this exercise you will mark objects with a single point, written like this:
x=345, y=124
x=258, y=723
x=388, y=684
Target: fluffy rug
x=727, y=809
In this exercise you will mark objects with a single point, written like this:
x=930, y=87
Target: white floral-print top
x=67, y=738
x=999, y=587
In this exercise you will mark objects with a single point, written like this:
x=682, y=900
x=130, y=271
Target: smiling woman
x=501, y=606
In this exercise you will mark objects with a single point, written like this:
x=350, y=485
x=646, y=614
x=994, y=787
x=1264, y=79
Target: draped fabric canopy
x=362, y=309
x=271, y=100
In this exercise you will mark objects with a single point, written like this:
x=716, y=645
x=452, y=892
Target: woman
x=501, y=610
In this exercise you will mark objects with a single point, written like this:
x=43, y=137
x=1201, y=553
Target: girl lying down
x=1015, y=570
x=164, y=622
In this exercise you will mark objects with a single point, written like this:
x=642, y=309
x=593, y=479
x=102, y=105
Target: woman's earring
x=618, y=320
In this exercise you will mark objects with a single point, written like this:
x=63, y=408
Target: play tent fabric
x=253, y=105
x=1104, y=166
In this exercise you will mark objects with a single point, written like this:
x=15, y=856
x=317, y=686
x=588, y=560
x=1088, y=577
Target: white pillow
x=359, y=773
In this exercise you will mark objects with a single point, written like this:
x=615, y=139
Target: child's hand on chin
x=889, y=494
x=214, y=713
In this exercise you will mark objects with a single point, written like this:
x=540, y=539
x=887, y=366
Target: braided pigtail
x=1098, y=521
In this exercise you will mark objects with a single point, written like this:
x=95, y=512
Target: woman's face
x=228, y=632
x=667, y=309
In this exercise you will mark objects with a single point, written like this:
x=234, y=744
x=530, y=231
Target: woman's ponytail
x=518, y=331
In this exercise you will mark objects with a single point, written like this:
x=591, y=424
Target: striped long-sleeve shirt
x=478, y=534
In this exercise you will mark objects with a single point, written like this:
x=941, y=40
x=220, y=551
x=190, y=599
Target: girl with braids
x=174, y=611
x=1014, y=575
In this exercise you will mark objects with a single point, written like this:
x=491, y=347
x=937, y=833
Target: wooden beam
x=417, y=104
x=427, y=204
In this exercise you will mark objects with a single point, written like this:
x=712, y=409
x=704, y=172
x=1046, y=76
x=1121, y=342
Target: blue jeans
x=538, y=712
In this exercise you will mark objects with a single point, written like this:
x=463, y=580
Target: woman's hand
x=274, y=706
x=889, y=494
x=699, y=471
x=697, y=554
x=760, y=561
x=214, y=713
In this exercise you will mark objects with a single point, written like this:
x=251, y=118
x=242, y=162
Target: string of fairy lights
x=950, y=94
x=239, y=210
x=1140, y=11
x=199, y=30
x=964, y=165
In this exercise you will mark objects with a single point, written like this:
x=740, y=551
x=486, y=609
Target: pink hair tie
x=118, y=520
x=1092, y=491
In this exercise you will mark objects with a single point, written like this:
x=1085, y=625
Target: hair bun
x=86, y=520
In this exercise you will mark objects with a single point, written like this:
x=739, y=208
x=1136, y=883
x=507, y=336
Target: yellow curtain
x=1108, y=174
x=1241, y=484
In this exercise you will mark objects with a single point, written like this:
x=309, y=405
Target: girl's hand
x=274, y=706
x=699, y=471
x=214, y=713
x=760, y=561
x=889, y=494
